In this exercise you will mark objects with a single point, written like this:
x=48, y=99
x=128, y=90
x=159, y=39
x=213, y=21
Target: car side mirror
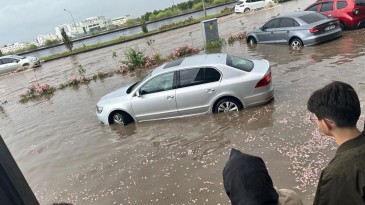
x=137, y=94
x=263, y=28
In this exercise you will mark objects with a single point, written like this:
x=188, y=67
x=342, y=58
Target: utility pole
x=205, y=11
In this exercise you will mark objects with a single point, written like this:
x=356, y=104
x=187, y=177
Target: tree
x=144, y=26
x=1, y=53
x=68, y=43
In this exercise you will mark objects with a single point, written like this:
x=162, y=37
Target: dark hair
x=336, y=101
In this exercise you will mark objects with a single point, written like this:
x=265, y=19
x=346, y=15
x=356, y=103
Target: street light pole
x=72, y=20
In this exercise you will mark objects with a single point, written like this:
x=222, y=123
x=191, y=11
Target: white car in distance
x=12, y=62
x=244, y=6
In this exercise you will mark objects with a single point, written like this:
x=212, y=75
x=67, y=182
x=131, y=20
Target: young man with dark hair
x=335, y=109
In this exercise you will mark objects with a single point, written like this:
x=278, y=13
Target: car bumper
x=321, y=38
x=262, y=97
x=103, y=117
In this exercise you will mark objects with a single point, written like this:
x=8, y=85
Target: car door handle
x=287, y=31
x=209, y=90
x=169, y=97
x=272, y=32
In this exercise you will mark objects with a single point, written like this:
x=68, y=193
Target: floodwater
x=66, y=155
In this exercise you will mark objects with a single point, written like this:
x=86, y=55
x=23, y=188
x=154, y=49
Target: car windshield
x=360, y=2
x=313, y=17
x=129, y=90
x=239, y=63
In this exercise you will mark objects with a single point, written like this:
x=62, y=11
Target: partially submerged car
x=10, y=63
x=297, y=29
x=211, y=83
x=244, y=6
x=350, y=13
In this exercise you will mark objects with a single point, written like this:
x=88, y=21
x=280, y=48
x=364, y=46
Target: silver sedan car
x=297, y=29
x=210, y=83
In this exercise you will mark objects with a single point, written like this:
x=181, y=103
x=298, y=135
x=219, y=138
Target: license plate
x=330, y=27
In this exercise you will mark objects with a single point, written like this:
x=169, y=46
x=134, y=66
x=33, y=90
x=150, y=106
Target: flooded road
x=67, y=155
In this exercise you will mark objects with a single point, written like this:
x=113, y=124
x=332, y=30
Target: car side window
x=341, y=4
x=328, y=6
x=191, y=77
x=274, y=23
x=212, y=75
x=160, y=83
x=313, y=8
x=8, y=60
x=287, y=22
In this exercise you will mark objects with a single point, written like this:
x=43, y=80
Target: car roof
x=296, y=14
x=192, y=61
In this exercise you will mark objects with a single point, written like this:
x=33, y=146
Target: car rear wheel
x=227, y=105
x=251, y=40
x=120, y=118
x=296, y=44
x=246, y=10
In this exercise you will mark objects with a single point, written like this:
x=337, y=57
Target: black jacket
x=247, y=181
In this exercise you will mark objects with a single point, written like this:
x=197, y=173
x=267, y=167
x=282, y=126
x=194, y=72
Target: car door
x=283, y=32
x=155, y=99
x=266, y=35
x=260, y=3
x=326, y=8
x=196, y=90
x=9, y=64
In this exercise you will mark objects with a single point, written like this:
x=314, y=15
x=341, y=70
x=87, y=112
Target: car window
x=287, y=22
x=191, y=77
x=313, y=8
x=360, y=2
x=239, y=63
x=341, y=4
x=328, y=6
x=313, y=17
x=8, y=60
x=274, y=23
x=212, y=75
x=160, y=83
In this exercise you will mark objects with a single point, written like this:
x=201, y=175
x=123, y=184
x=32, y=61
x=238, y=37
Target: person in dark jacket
x=247, y=181
x=335, y=109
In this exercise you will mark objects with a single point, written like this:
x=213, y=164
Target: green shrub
x=197, y=6
x=134, y=59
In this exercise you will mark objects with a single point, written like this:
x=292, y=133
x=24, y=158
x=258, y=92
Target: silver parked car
x=297, y=29
x=12, y=62
x=211, y=83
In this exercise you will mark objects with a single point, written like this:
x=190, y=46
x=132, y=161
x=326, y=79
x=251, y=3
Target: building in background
x=41, y=39
x=70, y=29
x=12, y=48
x=120, y=21
x=93, y=25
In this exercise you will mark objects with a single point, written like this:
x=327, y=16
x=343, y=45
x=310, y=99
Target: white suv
x=248, y=5
x=13, y=62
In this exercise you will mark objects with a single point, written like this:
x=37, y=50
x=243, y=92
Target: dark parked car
x=351, y=13
x=297, y=29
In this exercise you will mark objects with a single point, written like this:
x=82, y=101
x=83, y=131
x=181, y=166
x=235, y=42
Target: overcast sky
x=23, y=20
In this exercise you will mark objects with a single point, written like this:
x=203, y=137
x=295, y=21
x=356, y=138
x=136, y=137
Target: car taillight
x=314, y=30
x=355, y=11
x=265, y=81
x=242, y=5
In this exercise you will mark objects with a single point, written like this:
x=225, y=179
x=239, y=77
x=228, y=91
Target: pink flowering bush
x=184, y=51
x=238, y=37
x=154, y=61
x=35, y=92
